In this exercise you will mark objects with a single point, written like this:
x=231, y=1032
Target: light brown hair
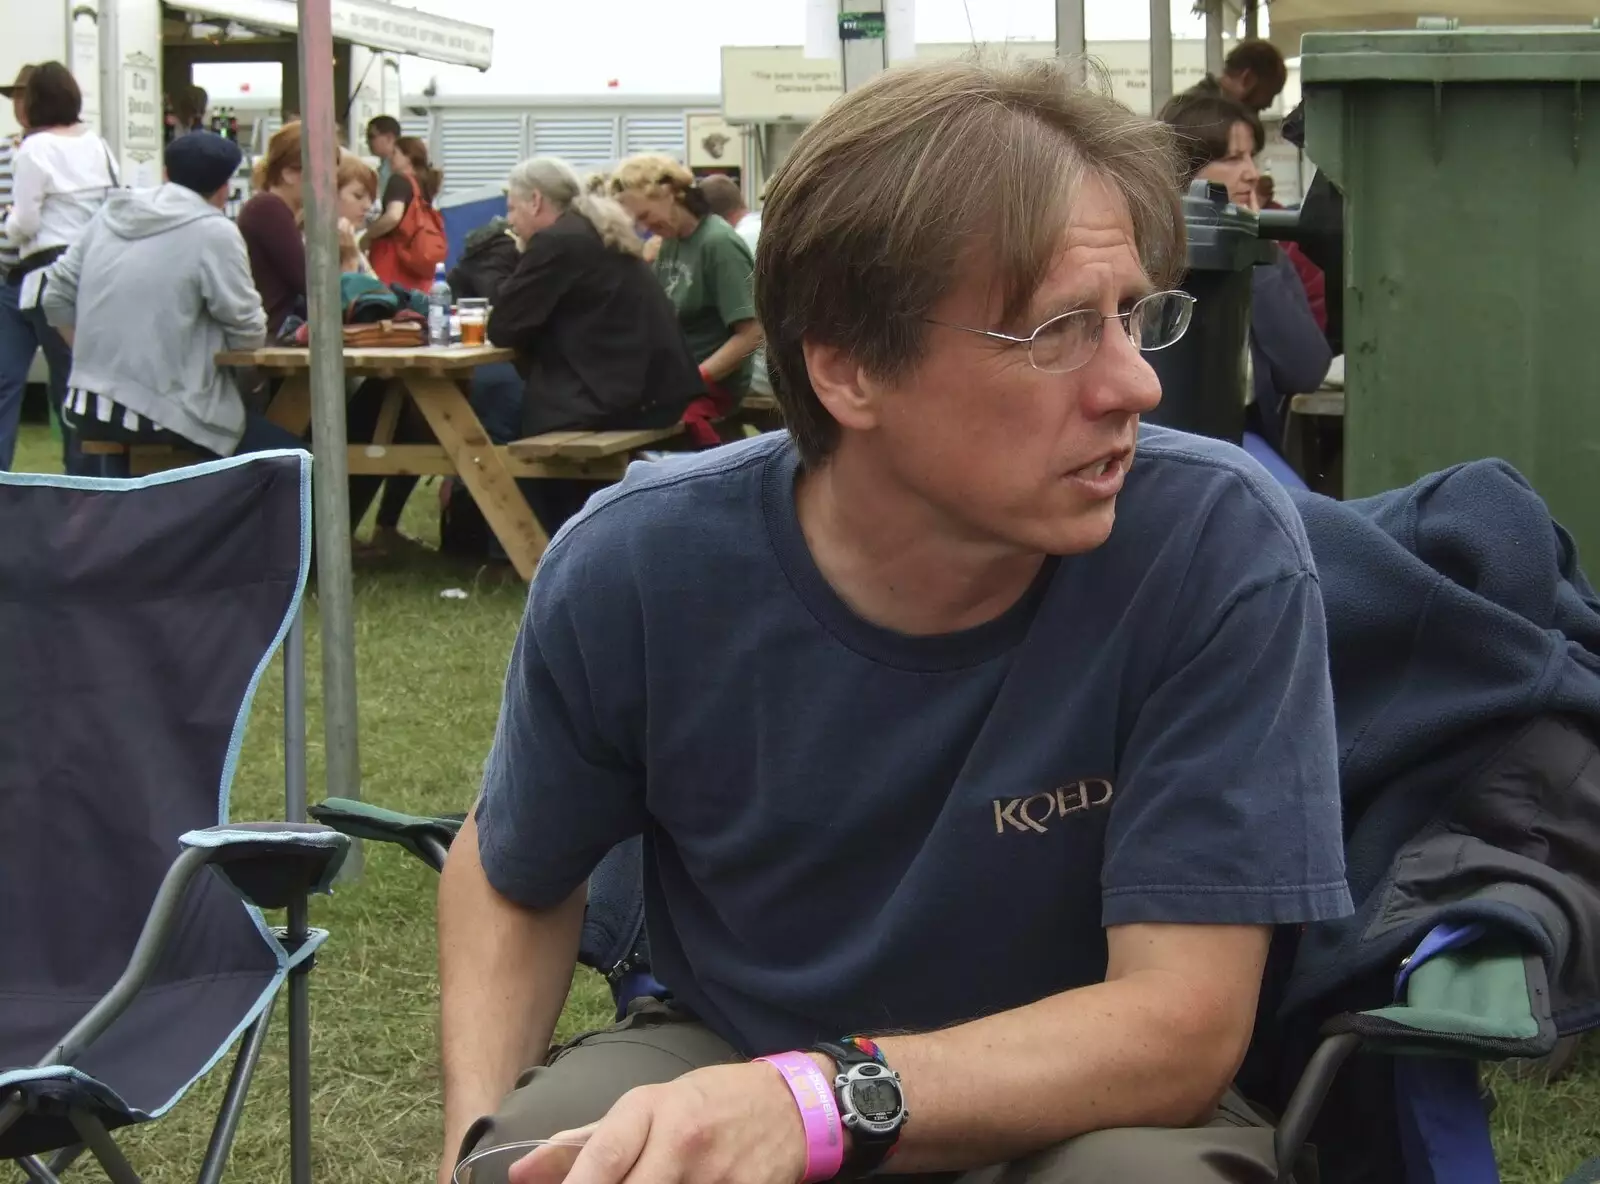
x=353, y=168
x=922, y=170
x=722, y=195
x=282, y=154
x=655, y=175
x=428, y=177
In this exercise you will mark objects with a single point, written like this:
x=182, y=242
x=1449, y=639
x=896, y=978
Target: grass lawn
x=429, y=673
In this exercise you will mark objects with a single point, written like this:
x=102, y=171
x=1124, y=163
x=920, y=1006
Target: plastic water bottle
x=439, y=301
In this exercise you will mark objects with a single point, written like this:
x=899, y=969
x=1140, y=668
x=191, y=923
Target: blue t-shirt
x=850, y=829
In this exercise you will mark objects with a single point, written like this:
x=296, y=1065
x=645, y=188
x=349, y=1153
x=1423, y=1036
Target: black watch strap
x=867, y=1150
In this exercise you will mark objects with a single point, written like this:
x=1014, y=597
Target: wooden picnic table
x=1314, y=435
x=1323, y=404
x=430, y=377
x=433, y=379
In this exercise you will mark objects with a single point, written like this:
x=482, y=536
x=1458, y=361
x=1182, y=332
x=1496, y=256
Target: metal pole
x=294, y=720
x=1214, y=38
x=1071, y=41
x=864, y=57
x=1160, y=54
x=335, y=593
x=1252, y=19
x=294, y=810
x=299, y=1046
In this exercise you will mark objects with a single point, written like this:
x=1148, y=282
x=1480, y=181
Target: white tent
x=1291, y=18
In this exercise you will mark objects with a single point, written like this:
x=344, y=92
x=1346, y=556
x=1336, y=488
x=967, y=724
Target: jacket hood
x=141, y=213
x=485, y=236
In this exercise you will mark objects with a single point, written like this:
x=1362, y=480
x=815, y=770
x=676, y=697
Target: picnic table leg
x=291, y=406
x=494, y=489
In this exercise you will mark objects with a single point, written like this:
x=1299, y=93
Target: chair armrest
x=426, y=838
x=244, y=853
x=271, y=864
x=1467, y=992
x=1487, y=1001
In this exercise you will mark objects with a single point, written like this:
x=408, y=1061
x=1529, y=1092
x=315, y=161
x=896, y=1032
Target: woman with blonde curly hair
x=707, y=270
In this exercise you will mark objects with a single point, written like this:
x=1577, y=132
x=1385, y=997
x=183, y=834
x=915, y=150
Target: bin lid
x=1222, y=236
x=1547, y=53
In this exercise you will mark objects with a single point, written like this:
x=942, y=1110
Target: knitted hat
x=202, y=161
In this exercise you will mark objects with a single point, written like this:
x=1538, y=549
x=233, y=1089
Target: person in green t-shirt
x=706, y=268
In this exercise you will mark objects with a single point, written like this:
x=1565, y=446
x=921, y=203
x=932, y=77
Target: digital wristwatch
x=871, y=1104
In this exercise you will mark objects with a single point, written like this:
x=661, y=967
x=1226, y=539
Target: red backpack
x=415, y=247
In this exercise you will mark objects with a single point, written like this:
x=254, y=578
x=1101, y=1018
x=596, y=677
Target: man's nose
x=1119, y=380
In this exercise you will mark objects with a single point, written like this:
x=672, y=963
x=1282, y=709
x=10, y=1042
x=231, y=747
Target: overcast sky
x=672, y=46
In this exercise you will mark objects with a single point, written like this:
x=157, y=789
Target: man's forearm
x=1117, y=1054
x=504, y=974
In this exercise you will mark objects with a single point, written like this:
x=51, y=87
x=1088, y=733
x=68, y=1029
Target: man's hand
x=729, y=1124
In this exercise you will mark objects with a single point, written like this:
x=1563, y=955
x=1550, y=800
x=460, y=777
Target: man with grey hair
x=596, y=336
x=979, y=735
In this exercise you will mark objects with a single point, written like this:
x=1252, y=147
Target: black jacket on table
x=596, y=336
x=488, y=256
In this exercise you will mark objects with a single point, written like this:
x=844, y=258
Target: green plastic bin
x=1470, y=164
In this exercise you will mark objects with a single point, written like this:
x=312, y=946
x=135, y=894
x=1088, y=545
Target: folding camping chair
x=1474, y=942
x=136, y=621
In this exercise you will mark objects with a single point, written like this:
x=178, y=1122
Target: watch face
x=876, y=1101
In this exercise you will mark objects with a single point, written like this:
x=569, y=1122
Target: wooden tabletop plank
x=1323, y=403
x=596, y=444
x=547, y=445
x=395, y=359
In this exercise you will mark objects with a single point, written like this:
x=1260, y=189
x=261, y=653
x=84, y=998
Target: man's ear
x=841, y=385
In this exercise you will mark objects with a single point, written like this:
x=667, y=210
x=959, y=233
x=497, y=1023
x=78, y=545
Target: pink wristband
x=819, y=1113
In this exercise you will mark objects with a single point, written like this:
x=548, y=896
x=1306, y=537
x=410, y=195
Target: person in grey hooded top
x=154, y=289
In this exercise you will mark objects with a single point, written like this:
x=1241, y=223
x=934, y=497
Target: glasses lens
x=1066, y=342
x=1160, y=319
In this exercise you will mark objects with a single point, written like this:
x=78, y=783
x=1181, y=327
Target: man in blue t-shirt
x=978, y=735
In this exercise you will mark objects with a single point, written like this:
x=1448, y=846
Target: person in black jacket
x=596, y=337
x=488, y=255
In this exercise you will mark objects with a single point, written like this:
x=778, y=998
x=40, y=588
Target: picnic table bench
x=434, y=380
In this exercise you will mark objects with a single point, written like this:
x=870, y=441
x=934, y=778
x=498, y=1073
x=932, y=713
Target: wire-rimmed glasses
x=1066, y=343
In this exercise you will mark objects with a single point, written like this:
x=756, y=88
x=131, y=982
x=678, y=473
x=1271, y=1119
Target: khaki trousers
x=655, y=1044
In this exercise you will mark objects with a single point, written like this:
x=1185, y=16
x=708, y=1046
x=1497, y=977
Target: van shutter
x=478, y=150
x=653, y=133
x=584, y=143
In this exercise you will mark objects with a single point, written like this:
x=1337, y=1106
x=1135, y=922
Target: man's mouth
x=1098, y=469
x=1102, y=478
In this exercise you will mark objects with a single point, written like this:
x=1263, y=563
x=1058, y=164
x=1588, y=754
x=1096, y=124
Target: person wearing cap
x=18, y=341
x=157, y=287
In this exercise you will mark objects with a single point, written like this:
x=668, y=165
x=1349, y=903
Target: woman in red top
x=413, y=180
x=269, y=222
